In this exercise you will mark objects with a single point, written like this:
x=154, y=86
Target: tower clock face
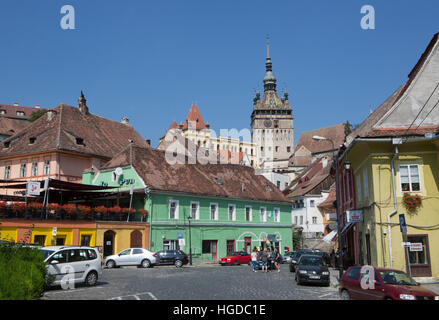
x=267, y=123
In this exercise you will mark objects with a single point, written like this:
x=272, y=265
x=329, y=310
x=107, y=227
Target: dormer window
x=2, y=111
x=20, y=113
x=218, y=181
x=80, y=141
x=7, y=144
x=32, y=140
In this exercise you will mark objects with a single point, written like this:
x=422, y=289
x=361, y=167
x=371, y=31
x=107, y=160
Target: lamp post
x=337, y=192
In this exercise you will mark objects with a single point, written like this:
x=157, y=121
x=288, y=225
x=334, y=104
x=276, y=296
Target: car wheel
x=91, y=279
x=345, y=295
x=146, y=263
x=178, y=263
x=235, y=263
x=111, y=264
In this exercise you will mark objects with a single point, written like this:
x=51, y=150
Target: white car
x=81, y=264
x=131, y=257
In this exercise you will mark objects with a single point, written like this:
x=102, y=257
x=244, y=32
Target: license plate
x=314, y=277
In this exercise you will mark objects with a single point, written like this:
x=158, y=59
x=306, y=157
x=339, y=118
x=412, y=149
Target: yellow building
x=392, y=153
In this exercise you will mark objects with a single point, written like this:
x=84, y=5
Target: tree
x=36, y=114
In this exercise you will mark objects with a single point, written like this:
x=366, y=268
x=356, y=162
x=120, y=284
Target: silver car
x=131, y=257
x=71, y=263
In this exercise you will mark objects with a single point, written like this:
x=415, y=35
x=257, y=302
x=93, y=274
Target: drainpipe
x=389, y=216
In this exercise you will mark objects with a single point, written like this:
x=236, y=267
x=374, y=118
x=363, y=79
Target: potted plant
x=143, y=213
x=18, y=208
x=70, y=209
x=101, y=211
x=116, y=210
x=84, y=210
x=126, y=212
x=411, y=202
x=55, y=209
x=3, y=207
x=35, y=209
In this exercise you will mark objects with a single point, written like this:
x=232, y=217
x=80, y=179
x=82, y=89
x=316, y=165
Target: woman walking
x=264, y=258
x=277, y=259
x=254, y=259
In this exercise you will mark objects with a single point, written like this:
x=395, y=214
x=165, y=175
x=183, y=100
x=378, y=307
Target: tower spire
x=269, y=79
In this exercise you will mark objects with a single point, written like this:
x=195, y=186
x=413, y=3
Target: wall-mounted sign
x=354, y=216
x=179, y=235
x=181, y=242
x=33, y=188
x=415, y=247
x=54, y=231
x=402, y=224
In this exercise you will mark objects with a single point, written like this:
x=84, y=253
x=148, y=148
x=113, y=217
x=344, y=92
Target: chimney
x=82, y=104
x=324, y=162
x=125, y=120
x=148, y=142
x=50, y=114
x=37, y=106
x=15, y=104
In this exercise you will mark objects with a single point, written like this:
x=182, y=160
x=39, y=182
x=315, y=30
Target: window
x=60, y=241
x=125, y=252
x=20, y=113
x=61, y=256
x=92, y=254
x=276, y=215
x=23, y=170
x=314, y=220
x=85, y=240
x=40, y=240
x=7, y=172
x=354, y=273
x=2, y=111
x=170, y=245
x=34, y=169
x=232, y=212
x=263, y=215
x=288, y=149
x=213, y=211
x=312, y=203
x=278, y=184
x=295, y=220
x=301, y=220
x=173, y=209
x=277, y=149
x=419, y=257
x=137, y=251
x=195, y=210
x=248, y=213
x=46, y=168
x=365, y=184
x=409, y=176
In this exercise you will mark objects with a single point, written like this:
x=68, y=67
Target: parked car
x=312, y=269
x=295, y=258
x=131, y=257
x=84, y=261
x=169, y=257
x=286, y=258
x=236, y=258
x=324, y=255
x=388, y=284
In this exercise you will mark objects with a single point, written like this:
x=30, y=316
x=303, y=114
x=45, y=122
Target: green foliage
x=36, y=114
x=22, y=272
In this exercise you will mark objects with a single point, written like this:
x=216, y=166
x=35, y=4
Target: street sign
x=179, y=235
x=416, y=247
x=33, y=188
x=332, y=226
x=354, y=216
x=406, y=244
x=54, y=231
x=402, y=224
x=181, y=242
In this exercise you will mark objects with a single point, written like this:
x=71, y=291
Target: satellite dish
x=118, y=171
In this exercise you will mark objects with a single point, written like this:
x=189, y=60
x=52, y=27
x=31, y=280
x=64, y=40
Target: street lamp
x=337, y=192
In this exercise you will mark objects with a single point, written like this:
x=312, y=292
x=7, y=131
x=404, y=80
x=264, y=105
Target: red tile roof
x=329, y=201
x=213, y=180
x=10, y=126
x=336, y=133
x=11, y=111
x=194, y=117
x=70, y=130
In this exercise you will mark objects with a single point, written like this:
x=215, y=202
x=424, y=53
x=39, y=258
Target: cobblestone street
x=204, y=282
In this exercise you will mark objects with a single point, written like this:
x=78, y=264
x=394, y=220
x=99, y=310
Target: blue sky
x=150, y=60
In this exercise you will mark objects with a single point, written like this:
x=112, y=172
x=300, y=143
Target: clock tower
x=272, y=123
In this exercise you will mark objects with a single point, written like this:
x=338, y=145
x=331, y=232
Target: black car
x=172, y=257
x=296, y=256
x=312, y=269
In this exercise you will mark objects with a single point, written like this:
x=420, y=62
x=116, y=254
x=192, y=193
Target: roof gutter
x=395, y=210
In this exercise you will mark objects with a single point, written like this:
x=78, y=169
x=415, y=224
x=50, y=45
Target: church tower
x=272, y=122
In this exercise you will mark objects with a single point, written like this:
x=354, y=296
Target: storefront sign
x=33, y=188
x=416, y=247
x=179, y=235
x=354, y=216
x=181, y=242
x=402, y=224
x=54, y=231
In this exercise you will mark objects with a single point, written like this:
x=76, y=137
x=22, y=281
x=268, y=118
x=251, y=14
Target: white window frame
x=296, y=220
x=410, y=177
x=23, y=173
x=46, y=167
x=216, y=211
x=276, y=214
x=34, y=169
x=7, y=172
x=250, y=214
x=301, y=221
x=233, y=212
x=263, y=217
x=197, y=212
x=176, y=215
x=314, y=220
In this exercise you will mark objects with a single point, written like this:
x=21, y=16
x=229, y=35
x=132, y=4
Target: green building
x=211, y=209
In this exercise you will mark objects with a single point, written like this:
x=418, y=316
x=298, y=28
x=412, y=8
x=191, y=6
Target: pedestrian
x=269, y=259
x=254, y=256
x=264, y=258
x=277, y=259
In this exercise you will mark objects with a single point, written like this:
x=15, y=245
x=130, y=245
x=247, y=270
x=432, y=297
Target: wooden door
x=136, y=239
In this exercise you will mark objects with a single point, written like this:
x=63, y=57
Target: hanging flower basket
x=3, y=208
x=35, y=209
x=84, y=210
x=70, y=209
x=143, y=212
x=411, y=201
x=18, y=208
x=100, y=211
x=115, y=211
x=55, y=209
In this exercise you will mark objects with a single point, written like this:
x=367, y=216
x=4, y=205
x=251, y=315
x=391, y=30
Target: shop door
x=136, y=239
x=109, y=243
x=420, y=260
x=248, y=244
x=214, y=249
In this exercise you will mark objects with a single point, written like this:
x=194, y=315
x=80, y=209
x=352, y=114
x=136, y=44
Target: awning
x=347, y=226
x=328, y=238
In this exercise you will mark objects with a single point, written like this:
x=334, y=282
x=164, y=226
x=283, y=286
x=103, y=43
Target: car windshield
x=234, y=254
x=46, y=253
x=312, y=261
x=396, y=278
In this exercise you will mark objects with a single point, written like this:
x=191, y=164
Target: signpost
x=403, y=227
x=354, y=216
